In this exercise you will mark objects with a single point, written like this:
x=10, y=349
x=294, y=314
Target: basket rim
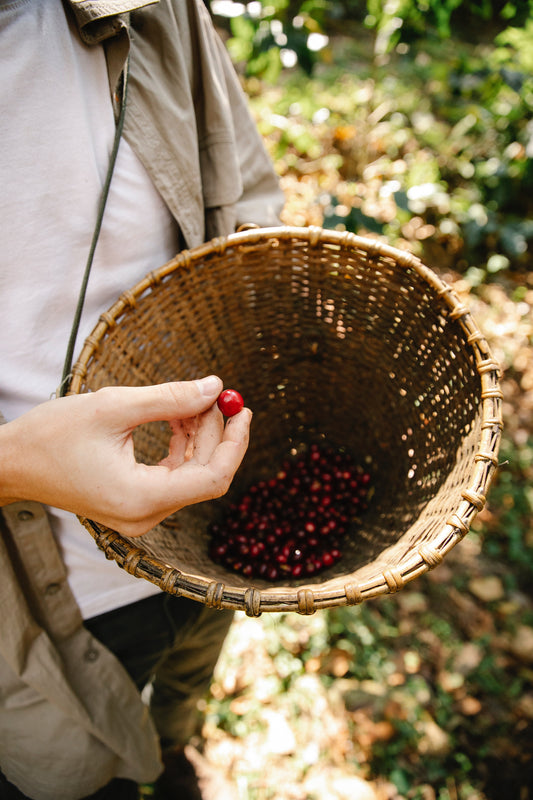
x=308, y=598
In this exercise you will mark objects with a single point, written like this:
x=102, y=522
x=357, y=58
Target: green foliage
x=446, y=127
x=395, y=21
x=510, y=538
x=268, y=36
x=264, y=33
x=446, y=124
x=355, y=220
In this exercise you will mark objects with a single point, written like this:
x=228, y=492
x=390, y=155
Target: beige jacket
x=70, y=717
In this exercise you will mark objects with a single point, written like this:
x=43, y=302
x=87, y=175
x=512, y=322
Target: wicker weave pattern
x=326, y=335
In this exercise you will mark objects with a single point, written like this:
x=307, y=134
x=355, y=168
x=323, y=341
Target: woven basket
x=331, y=337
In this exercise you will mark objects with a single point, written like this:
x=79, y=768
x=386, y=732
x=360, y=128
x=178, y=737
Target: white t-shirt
x=56, y=136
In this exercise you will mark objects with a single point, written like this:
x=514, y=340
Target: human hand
x=76, y=453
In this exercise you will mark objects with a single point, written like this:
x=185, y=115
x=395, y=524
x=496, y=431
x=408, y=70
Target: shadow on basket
x=341, y=345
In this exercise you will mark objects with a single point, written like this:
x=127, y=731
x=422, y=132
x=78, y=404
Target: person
x=83, y=644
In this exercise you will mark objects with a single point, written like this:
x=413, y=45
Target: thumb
x=165, y=401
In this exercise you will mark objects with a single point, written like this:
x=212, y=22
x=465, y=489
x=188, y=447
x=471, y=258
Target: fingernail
x=209, y=386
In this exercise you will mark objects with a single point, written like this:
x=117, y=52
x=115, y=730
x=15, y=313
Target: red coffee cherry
x=230, y=402
x=293, y=525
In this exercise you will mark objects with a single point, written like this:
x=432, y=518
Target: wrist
x=11, y=458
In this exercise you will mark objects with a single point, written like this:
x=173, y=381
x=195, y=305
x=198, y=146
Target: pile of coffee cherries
x=293, y=525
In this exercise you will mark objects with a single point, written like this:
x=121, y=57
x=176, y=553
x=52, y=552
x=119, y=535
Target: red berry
x=230, y=402
x=293, y=524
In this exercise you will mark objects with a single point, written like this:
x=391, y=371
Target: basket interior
x=353, y=345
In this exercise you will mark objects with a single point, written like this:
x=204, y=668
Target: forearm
x=12, y=456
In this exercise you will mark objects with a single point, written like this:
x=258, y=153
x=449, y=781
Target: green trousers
x=170, y=647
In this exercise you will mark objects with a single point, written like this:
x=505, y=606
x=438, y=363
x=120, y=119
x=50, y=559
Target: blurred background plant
x=410, y=121
x=445, y=120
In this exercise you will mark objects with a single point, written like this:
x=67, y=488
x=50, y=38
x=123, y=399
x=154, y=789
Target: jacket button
x=52, y=589
x=25, y=515
x=91, y=654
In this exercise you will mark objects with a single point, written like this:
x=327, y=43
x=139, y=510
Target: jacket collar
x=98, y=20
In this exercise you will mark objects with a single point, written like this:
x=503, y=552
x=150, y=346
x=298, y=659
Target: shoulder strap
x=65, y=378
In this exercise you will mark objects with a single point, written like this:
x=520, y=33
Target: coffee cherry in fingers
x=230, y=402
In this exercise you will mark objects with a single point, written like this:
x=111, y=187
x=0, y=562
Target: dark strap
x=65, y=378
